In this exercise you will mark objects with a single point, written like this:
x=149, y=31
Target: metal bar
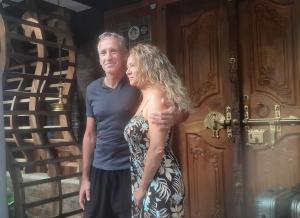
x=30, y=94
x=290, y=121
x=26, y=100
x=7, y=113
x=53, y=129
x=50, y=200
x=284, y=121
x=38, y=77
x=40, y=41
x=47, y=161
x=48, y=180
x=46, y=146
x=16, y=55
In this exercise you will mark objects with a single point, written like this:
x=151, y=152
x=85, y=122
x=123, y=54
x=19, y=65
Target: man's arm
x=88, y=147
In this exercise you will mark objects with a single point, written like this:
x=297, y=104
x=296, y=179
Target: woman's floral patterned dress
x=164, y=197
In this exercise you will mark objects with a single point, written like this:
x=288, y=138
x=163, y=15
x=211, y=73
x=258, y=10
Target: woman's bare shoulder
x=157, y=92
x=158, y=97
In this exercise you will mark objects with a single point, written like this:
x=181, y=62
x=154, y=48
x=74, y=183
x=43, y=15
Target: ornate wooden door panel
x=202, y=59
x=270, y=42
x=269, y=39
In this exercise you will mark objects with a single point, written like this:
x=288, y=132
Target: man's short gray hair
x=122, y=39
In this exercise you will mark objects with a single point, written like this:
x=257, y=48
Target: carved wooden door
x=224, y=176
x=270, y=53
x=210, y=165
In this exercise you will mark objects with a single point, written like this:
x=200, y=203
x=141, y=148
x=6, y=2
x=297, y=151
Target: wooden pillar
x=3, y=195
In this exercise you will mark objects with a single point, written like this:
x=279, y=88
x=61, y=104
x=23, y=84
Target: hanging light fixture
x=60, y=105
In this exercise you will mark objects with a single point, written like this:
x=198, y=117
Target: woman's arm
x=156, y=148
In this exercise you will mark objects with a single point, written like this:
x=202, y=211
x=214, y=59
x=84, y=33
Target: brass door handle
x=217, y=121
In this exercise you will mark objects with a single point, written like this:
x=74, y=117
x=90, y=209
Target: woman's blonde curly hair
x=155, y=69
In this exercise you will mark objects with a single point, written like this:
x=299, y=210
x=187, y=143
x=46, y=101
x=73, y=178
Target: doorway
x=240, y=61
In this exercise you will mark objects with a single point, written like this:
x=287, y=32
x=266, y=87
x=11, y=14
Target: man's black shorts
x=110, y=194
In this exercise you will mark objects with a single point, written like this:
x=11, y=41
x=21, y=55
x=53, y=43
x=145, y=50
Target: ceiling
x=91, y=11
x=83, y=5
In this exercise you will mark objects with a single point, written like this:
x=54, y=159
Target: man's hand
x=167, y=118
x=84, y=194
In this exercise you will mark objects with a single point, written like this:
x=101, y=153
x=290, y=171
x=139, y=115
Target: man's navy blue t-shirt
x=112, y=109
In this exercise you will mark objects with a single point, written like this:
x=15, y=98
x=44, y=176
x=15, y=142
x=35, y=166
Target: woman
x=157, y=185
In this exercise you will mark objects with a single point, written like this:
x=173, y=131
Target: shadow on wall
x=88, y=67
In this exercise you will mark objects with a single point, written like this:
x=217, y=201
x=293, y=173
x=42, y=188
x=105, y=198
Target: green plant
x=11, y=205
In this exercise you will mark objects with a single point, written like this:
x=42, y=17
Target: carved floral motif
x=274, y=49
x=199, y=151
x=201, y=43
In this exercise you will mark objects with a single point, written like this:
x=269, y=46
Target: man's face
x=112, y=56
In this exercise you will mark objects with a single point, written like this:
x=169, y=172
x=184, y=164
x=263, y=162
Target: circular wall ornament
x=133, y=33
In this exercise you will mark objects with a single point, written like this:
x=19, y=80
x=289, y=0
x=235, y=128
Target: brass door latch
x=259, y=138
x=216, y=121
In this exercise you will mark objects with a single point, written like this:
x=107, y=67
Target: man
x=110, y=103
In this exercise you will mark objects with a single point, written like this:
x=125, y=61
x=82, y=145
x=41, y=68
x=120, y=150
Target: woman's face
x=132, y=71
